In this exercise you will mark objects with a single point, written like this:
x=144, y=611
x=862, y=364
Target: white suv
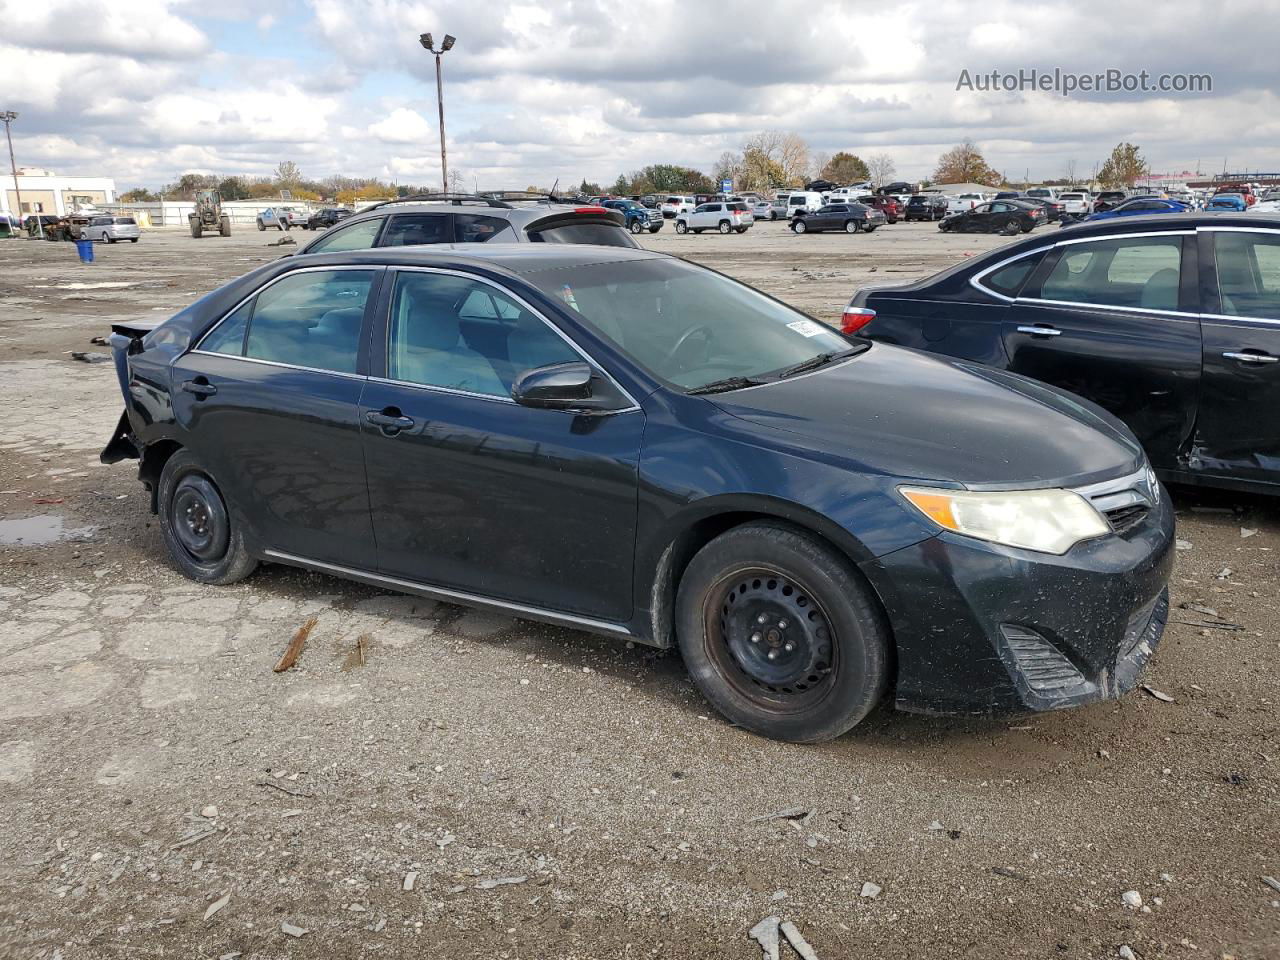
x=726, y=217
x=674, y=206
x=1075, y=202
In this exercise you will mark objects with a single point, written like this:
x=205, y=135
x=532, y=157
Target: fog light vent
x=1043, y=668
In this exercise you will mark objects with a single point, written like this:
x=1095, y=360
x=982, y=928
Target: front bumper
x=983, y=629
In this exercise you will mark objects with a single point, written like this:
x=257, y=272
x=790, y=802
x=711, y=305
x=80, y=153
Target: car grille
x=1126, y=501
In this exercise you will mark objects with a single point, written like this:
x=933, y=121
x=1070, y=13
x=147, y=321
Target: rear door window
x=600, y=234
x=358, y=236
x=474, y=228
x=413, y=229
x=311, y=319
x=1139, y=272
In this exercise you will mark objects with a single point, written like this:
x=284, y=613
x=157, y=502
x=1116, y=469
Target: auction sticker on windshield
x=807, y=327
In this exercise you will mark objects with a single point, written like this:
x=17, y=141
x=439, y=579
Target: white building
x=45, y=192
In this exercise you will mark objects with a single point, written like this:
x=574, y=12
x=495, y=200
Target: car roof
x=514, y=258
x=1156, y=223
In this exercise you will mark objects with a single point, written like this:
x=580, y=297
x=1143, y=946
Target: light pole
x=8, y=117
x=445, y=45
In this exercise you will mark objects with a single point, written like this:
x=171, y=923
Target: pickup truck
x=964, y=202
x=282, y=218
x=639, y=217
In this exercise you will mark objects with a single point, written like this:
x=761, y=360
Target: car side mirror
x=566, y=386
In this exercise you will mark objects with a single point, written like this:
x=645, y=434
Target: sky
x=145, y=90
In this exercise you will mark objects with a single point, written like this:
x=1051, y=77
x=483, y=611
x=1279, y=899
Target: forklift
x=208, y=214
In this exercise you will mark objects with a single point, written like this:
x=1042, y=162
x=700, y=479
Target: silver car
x=111, y=229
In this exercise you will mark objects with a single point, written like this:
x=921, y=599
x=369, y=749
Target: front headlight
x=1050, y=521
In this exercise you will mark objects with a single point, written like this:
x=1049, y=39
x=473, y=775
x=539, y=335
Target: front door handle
x=1258, y=357
x=390, y=420
x=200, y=387
x=1041, y=331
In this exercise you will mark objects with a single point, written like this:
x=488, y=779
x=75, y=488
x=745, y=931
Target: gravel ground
x=476, y=786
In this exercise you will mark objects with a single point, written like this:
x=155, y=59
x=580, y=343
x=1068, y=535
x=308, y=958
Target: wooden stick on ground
x=294, y=650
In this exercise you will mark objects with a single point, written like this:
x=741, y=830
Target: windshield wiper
x=821, y=360
x=728, y=383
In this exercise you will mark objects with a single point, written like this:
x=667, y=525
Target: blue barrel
x=86, y=250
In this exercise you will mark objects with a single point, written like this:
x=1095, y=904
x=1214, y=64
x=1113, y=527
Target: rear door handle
x=389, y=419
x=1251, y=357
x=200, y=387
x=1041, y=331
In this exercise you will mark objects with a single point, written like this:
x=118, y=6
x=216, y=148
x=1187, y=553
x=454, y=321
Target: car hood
x=909, y=414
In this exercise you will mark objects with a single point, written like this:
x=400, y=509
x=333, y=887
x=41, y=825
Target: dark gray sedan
x=849, y=217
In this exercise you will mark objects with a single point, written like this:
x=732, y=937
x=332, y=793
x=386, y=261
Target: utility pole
x=8, y=117
x=445, y=46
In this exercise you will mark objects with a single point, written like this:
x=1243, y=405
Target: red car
x=889, y=206
x=1243, y=189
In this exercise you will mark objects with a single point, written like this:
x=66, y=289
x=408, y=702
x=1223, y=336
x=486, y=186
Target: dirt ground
x=486, y=787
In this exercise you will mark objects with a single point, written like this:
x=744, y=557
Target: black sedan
x=1170, y=322
x=624, y=442
x=1009, y=217
x=849, y=217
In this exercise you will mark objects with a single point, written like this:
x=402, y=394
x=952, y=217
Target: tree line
x=766, y=161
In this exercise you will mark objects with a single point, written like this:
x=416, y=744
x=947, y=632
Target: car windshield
x=689, y=327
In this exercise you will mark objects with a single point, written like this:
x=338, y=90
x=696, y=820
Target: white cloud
x=404, y=126
x=146, y=28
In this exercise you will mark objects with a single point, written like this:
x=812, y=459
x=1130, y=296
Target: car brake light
x=855, y=318
x=591, y=210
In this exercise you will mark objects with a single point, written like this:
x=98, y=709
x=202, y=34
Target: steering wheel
x=704, y=328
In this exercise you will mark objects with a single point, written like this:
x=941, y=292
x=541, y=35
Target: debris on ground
x=102, y=342
x=1247, y=532
x=357, y=656
x=765, y=933
x=499, y=882
x=1126, y=953
x=1163, y=697
x=284, y=242
x=790, y=813
x=84, y=357
x=294, y=650
x=870, y=890
x=1273, y=883
x=291, y=790
x=410, y=879
x=209, y=812
x=1225, y=573
x=1132, y=899
x=798, y=943
x=217, y=905
x=1183, y=544
x=294, y=931
x=936, y=826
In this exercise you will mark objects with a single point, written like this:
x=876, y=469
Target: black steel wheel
x=201, y=533
x=781, y=634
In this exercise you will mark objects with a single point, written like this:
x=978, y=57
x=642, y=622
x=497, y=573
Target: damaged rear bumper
x=983, y=629
x=122, y=445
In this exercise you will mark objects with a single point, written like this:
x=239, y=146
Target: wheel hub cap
x=775, y=633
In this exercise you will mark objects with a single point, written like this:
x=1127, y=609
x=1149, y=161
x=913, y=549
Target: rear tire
x=852, y=226
x=133, y=239
x=742, y=229
x=724, y=226
x=109, y=238
x=760, y=588
x=202, y=535
x=1010, y=228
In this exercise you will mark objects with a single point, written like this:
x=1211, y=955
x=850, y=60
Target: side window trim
x=976, y=279
x=381, y=334
x=362, y=353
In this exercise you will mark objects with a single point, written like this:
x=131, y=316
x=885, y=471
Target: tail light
x=591, y=210
x=855, y=318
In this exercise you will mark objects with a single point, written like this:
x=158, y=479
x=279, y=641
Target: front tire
x=781, y=634
x=637, y=227
x=204, y=540
x=798, y=226
x=681, y=227
x=262, y=227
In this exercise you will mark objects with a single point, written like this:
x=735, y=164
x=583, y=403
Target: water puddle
x=34, y=531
